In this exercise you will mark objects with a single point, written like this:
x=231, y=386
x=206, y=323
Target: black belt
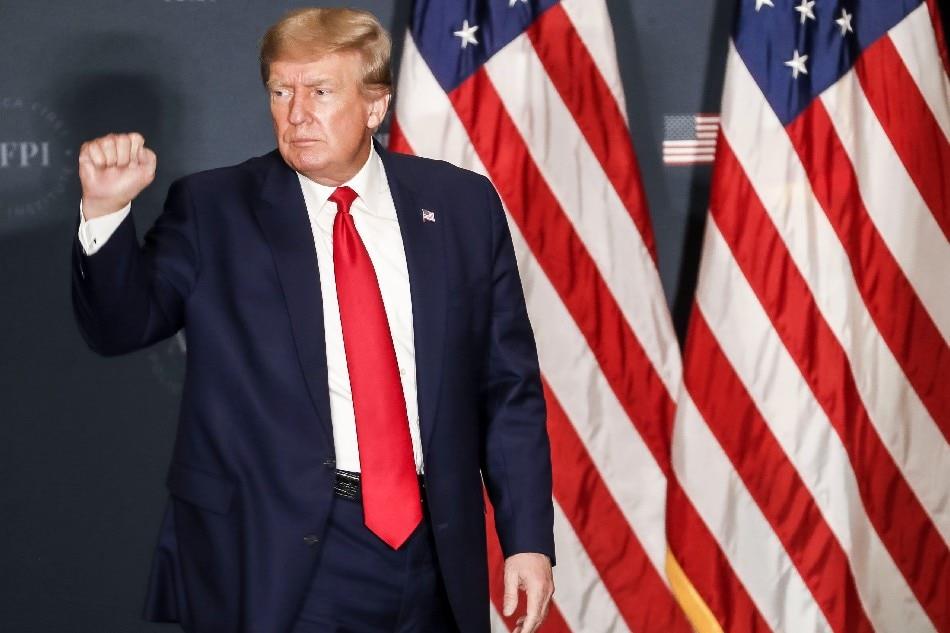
x=347, y=485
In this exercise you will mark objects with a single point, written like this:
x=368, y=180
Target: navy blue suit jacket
x=231, y=260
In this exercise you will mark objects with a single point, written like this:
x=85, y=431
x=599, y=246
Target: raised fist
x=113, y=170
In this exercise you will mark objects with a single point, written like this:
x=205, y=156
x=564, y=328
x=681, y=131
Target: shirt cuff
x=94, y=233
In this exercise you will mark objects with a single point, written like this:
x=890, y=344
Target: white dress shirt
x=374, y=214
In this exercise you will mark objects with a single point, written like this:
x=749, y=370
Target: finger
x=87, y=171
x=123, y=144
x=549, y=594
x=510, y=602
x=519, y=625
x=95, y=154
x=545, y=605
x=533, y=615
x=136, y=142
x=148, y=159
x=107, y=145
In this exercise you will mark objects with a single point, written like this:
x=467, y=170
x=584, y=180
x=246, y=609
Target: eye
x=321, y=92
x=279, y=93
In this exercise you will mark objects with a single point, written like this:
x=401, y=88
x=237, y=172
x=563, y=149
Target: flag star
x=512, y=3
x=797, y=64
x=763, y=3
x=467, y=34
x=805, y=9
x=845, y=22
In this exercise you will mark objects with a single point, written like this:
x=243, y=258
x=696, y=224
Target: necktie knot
x=343, y=197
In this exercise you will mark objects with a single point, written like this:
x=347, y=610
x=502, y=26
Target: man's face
x=322, y=118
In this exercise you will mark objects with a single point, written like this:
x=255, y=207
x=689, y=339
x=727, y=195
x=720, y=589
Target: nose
x=298, y=113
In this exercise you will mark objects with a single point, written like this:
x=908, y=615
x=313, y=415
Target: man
x=359, y=361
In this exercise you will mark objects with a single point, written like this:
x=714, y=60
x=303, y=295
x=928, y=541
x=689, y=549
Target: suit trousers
x=361, y=585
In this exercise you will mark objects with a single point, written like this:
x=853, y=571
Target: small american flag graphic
x=689, y=139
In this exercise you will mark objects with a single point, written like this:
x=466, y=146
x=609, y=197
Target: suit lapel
x=282, y=215
x=425, y=257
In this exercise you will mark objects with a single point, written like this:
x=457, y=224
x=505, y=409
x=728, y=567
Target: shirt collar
x=367, y=183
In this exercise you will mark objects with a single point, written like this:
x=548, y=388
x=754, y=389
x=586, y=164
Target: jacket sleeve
x=516, y=457
x=126, y=296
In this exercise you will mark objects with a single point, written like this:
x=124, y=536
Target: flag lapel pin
x=428, y=216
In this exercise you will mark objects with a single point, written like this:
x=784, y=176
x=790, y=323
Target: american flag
x=529, y=94
x=689, y=139
x=811, y=463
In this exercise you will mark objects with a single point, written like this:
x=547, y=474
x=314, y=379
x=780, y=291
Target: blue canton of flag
x=457, y=37
x=795, y=49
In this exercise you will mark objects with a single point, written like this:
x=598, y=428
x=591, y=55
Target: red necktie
x=390, y=489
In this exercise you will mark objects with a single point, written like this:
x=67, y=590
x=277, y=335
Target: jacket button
x=311, y=539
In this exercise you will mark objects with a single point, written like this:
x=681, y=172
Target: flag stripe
x=397, y=138
x=722, y=400
x=910, y=125
x=640, y=594
x=700, y=143
x=589, y=606
x=680, y=160
x=578, y=183
x=909, y=535
x=912, y=235
x=684, y=151
x=901, y=318
x=689, y=154
x=592, y=23
x=916, y=43
x=629, y=471
x=496, y=622
x=574, y=74
x=786, y=403
x=707, y=567
x=566, y=262
x=742, y=532
x=902, y=423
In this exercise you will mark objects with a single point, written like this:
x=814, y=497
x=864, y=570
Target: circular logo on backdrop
x=37, y=162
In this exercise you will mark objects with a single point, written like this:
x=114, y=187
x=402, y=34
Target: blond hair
x=316, y=32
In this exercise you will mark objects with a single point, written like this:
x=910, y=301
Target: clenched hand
x=113, y=170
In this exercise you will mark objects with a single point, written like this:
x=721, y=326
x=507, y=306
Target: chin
x=304, y=161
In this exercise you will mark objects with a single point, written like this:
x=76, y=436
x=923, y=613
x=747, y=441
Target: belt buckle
x=347, y=485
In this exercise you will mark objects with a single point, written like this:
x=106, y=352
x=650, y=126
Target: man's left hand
x=530, y=573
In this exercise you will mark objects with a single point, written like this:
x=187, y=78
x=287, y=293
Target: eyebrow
x=309, y=83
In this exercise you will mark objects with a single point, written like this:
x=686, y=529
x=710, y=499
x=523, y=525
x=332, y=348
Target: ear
x=377, y=110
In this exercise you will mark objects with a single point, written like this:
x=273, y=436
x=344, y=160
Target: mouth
x=304, y=142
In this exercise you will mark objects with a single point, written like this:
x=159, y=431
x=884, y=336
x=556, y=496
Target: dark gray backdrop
x=86, y=440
